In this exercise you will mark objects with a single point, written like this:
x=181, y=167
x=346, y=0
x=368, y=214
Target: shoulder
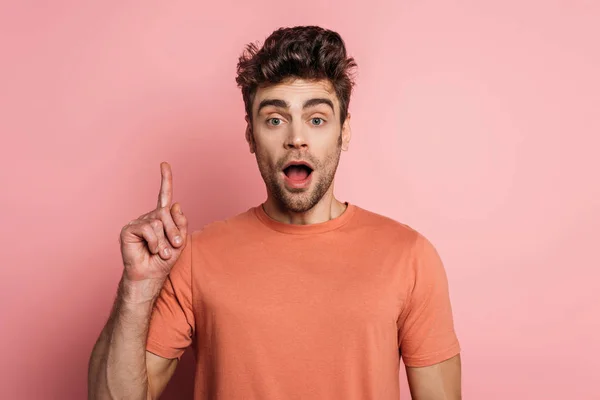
x=381, y=226
x=226, y=231
x=395, y=235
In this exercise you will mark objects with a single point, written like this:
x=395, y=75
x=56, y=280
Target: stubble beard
x=301, y=200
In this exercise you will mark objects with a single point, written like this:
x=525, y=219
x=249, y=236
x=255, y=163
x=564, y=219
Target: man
x=302, y=297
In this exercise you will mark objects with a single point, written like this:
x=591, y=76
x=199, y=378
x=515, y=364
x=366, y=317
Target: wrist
x=142, y=292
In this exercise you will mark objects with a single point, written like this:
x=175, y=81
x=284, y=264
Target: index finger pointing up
x=165, y=195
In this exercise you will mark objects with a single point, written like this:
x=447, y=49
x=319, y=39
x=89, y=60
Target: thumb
x=179, y=218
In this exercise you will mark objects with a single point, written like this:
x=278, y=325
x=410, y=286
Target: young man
x=301, y=297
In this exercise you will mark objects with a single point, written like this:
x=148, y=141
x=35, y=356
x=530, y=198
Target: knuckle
x=149, y=231
x=156, y=223
x=124, y=230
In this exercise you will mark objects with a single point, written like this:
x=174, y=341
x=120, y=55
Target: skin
x=279, y=134
x=441, y=381
x=285, y=129
x=120, y=366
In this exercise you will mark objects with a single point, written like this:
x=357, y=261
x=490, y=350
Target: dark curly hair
x=306, y=52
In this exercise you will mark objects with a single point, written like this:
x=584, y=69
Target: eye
x=274, y=121
x=317, y=121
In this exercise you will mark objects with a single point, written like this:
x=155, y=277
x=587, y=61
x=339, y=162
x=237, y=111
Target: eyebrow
x=284, y=104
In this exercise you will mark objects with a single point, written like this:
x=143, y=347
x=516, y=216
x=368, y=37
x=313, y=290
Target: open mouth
x=297, y=172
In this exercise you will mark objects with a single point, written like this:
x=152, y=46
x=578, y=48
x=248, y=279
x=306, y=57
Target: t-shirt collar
x=296, y=229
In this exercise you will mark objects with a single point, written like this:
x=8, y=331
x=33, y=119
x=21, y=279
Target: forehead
x=295, y=92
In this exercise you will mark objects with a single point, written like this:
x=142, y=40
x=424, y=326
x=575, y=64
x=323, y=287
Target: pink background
x=475, y=122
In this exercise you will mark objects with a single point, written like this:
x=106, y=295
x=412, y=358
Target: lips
x=297, y=174
x=298, y=163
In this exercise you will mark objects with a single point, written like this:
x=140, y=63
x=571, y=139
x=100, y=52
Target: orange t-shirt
x=323, y=311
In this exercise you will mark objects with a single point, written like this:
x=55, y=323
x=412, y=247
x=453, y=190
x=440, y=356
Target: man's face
x=297, y=122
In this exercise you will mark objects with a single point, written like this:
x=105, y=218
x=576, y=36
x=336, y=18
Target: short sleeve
x=426, y=334
x=172, y=320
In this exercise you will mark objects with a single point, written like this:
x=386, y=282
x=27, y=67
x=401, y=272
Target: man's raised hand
x=152, y=243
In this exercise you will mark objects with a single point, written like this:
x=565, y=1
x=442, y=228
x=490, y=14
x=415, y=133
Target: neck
x=326, y=209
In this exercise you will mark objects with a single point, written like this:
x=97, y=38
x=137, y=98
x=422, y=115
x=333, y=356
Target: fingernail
x=166, y=252
x=177, y=239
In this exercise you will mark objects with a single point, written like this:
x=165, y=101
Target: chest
x=321, y=286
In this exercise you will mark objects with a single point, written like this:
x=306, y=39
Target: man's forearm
x=117, y=367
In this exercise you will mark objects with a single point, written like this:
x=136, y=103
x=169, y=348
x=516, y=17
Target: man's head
x=296, y=91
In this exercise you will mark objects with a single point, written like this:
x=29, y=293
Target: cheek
x=265, y=158
x=265, y=142
x=268, y=150
x=328, y=149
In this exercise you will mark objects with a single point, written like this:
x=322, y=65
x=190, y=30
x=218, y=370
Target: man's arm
x=160, y=371
x=152, y=248
x=440, y=381
x=120, y=366
x=428, y=342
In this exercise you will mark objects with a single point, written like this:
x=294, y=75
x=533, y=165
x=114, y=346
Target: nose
x=296, y=139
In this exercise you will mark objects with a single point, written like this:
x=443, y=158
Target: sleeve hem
x=156, y=348
x=434, y=358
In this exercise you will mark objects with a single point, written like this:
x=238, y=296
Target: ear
x=250, y=136
x=346, y=133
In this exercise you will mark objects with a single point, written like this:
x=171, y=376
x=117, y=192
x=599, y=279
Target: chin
x=298, y=206
x=297, y=200
x=300, y=201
